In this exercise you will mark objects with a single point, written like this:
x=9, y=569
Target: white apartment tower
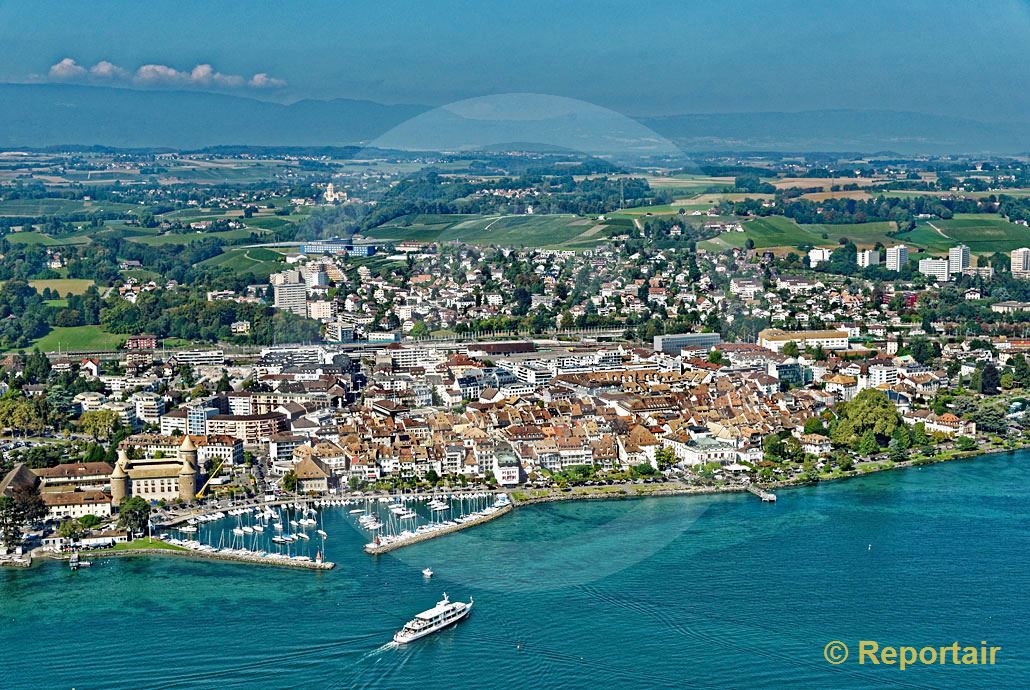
x=1020, y=262
x=868, y=257
x=292, y=297
x=936, y=268
x=897, y=257
x=958, y=259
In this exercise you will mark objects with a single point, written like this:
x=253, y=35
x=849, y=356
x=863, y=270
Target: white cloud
x=157, y=75
x=263, y=81
x=67, y=70
x=107, y=70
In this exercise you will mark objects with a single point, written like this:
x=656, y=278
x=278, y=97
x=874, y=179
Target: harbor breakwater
x=271, y=559
x=377, y=549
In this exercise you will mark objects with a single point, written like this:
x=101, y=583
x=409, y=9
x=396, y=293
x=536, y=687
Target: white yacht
x=444, y=614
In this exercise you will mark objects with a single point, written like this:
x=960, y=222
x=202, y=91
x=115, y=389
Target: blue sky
x=948, y=56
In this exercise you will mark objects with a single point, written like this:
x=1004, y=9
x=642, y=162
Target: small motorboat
x=427, y=573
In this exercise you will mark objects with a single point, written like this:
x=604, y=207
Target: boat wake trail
x=379, y=650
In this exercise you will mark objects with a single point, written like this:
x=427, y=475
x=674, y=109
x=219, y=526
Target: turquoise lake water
x=701, y=592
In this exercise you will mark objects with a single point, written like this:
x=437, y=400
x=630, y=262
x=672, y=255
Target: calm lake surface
x=706, y=592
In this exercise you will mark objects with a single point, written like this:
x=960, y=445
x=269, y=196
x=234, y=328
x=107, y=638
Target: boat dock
x=375, y=549
x=766, y=496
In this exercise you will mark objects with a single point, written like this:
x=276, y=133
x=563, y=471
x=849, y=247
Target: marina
x=293, y=532
x=593, y=561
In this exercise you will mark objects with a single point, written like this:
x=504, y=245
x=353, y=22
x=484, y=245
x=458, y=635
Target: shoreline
x=614, y=492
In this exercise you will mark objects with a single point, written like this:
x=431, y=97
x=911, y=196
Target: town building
x=158, y=478
x=939, y=269
x=958, y=259
x=897, y=257
x=868, y=257
x=775, y=339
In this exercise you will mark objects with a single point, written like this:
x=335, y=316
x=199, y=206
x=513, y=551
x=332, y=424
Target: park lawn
x=63, y=286
x=73, y=338
x=146, y=543
x=59, y=303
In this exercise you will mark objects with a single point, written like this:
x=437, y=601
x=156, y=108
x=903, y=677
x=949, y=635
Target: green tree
x=814, y=425
x=99, y=423
x=665, y=457
x=965, y=443
x=90, y=521
x=290, y=482
x=10, y=522
x=902, y=436
x=134, y=514
x=790, y=349
x=870, y=410
x=29, y=504
x=990, y=416
x=70, y=529
x=867, y=444
x=896, y=452
x=990, y=380
x=919, y=435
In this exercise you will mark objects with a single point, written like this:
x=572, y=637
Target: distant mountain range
x=842, y=130
x=52, y=115
x=41, y=115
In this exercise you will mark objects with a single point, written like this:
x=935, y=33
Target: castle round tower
x=188, y=473
x=120, y=479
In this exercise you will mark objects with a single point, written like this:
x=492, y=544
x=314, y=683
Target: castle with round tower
x=156, y=479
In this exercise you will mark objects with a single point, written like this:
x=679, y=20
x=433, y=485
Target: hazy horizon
x=961, y=60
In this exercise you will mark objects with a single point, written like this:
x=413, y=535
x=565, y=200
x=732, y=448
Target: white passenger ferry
x=445, y=613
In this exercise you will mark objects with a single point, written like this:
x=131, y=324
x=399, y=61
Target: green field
x=772, y=231
x=75, y=286
x=982, y=233
x=258, y=261
x=544, y=231
x=78, y=338
x=186, y=238
x=52, y=207
x=36, y=237
x=864, y=235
